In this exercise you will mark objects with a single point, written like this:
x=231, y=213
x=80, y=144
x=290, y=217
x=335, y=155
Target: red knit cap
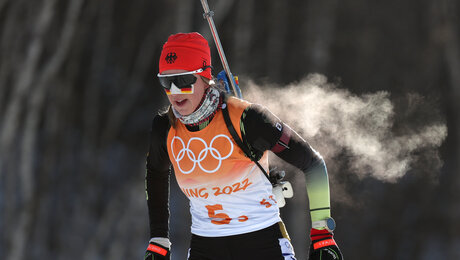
x=187, y=51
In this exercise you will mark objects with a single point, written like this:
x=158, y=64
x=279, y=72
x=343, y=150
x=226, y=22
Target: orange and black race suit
x=229, y=194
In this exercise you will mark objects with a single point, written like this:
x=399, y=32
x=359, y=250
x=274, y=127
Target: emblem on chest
x=197, y=154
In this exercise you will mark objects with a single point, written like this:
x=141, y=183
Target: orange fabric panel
x=209, y=155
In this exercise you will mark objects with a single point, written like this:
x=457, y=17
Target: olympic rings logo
x=207, y=150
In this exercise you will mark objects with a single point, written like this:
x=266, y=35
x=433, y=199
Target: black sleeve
x=157, y=178
x=264, y=131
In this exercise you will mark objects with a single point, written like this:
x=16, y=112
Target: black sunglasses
x=180, y=80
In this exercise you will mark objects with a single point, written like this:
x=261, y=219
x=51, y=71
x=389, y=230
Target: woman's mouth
x=181, y=102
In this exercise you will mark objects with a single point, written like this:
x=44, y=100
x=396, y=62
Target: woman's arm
x=157, y=178
x=264, y=131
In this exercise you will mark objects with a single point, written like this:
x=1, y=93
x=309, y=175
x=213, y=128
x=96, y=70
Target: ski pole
x=208, y=16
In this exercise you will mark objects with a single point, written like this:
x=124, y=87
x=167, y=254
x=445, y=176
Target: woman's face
x=186, y=104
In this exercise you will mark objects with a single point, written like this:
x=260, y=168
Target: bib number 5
x=221, y=218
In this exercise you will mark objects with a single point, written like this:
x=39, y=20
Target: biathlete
x=234, y=211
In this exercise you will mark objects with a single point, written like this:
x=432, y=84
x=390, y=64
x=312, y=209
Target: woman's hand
x=323, y=246
x=158, y=249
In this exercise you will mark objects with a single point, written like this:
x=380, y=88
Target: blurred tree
x=78, y=92
x=72, y=134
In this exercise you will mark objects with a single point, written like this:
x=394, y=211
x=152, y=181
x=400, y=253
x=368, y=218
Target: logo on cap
x=171, y=57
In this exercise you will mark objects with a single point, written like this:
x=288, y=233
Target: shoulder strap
x=237, y=138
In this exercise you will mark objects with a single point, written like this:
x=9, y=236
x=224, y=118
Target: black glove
x=156, y=251
x=323, y=246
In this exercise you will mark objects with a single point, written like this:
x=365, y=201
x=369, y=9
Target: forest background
x=374, y=86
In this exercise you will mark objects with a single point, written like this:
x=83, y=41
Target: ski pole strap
x=237, y=138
